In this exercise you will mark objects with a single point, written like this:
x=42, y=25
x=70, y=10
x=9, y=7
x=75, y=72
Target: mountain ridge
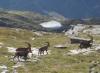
x=31, y=20
x=67, y=8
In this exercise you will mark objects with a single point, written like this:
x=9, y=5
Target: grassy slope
x=56, y=62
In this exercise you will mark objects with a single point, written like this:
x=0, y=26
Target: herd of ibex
x=23, y=52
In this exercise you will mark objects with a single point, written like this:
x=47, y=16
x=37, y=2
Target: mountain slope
x=25, y=19
x=31, y=20
x=57, y=61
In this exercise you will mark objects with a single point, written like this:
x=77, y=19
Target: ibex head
x=29, y=46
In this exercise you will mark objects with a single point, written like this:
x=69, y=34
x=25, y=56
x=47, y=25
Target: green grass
x=56, y=62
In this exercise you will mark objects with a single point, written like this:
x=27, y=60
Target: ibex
x=44, y=48
x=23, y=52
x=86, y=44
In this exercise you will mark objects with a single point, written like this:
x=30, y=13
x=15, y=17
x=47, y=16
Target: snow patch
x=1, y=43
x=33, y=38
x=97, y=47
x=80, y=51
x=35, y=51
x=11, y=49
x=4, y=69
x=51, y=24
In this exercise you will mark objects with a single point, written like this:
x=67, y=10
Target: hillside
x=31, y=20
x=57, y=61
x=25, y=19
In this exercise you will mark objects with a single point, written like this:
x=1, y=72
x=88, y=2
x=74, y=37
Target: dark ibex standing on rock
x=23, y=52
x=44, y=48
x=86, y=44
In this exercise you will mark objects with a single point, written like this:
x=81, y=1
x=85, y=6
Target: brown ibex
x=23, y=52
x=86, y=44
x=44, y=48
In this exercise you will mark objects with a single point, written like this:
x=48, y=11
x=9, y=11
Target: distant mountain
x=67, y=8
x=26, y=20
x=32, y=20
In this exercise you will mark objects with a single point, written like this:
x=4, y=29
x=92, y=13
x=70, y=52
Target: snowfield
x=51, y=24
